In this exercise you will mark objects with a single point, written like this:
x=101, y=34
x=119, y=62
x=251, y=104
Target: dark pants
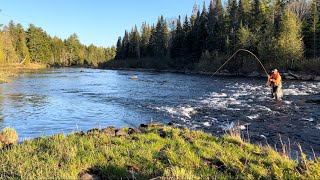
x=274, y=90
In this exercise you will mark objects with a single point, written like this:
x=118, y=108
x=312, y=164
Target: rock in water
x=134, y=77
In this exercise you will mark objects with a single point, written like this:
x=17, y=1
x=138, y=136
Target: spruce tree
x=176, y=45
x=125, y=45
x=119, y=49
x=145, y=38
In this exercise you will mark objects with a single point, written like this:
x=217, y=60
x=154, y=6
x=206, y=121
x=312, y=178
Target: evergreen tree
x=18, y=37
x=244, y=9
x=220, y=33
x=145, y=38
x=312, y=31
x=134, y=44
x=161, y=38
x=125, y=45
x=187, y=42
x=59, y=51
x=119, y=49
x=73, y=46
x=177, y=44
x=8, y=54
x=290, y=45
x=38, y=43
x=212, y=21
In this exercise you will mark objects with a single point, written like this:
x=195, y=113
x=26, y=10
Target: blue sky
x=99, y=22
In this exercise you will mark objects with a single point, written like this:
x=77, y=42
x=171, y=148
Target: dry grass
x=9, y=71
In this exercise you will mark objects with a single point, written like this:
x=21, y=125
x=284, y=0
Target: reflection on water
x=65, y=100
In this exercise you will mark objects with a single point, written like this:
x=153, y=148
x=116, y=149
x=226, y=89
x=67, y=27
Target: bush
x=8, y=136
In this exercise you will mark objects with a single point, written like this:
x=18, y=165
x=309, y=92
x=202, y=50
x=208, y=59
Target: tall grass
x=10, y=71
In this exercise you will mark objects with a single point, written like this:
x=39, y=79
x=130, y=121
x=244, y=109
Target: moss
x=164, y=152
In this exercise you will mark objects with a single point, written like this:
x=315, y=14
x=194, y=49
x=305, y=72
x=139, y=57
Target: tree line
x=282, y=33
x=34, y=45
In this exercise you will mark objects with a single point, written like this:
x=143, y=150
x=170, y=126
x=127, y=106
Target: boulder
x=109, y=131
x=317, y=78
x=133, y=131
x=120, y=132
x=87, y=176
x=92, y=132
x=151, y=125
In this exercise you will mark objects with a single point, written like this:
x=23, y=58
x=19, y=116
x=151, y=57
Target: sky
x=98, y=22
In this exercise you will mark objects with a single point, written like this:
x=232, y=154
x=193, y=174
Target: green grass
x=163, y=152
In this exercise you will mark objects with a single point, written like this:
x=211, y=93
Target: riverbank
x=159, y=152
x=285, y=75
x=9, y=71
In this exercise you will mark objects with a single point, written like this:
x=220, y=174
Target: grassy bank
x=9, y=71
x=162, y=152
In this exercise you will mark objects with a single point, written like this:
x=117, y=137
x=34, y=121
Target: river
x=71, y=99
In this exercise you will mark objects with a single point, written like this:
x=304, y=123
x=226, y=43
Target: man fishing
x=275, y=82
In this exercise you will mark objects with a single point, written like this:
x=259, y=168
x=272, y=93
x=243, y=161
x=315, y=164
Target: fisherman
x=275, y=82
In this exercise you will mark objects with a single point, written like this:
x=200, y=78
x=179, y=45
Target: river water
x=67, y=100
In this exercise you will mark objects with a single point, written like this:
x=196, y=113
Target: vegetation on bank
x=283, y=34
x=34, y=45
x=12, y=70
x=163, y=152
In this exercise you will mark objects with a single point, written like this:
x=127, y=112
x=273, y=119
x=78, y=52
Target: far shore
x=285, y=75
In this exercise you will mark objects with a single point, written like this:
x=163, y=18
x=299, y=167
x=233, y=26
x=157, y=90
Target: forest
x=34, y=45
x=284, y=34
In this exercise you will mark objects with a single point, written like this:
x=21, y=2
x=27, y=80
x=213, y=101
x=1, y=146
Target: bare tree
x=300, y=8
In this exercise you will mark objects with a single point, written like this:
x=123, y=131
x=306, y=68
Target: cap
x=275, y=70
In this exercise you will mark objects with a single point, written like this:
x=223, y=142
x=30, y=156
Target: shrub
x=8, y=136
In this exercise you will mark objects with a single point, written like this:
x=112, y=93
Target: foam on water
x=308, y=119
x=185, y=112
x=294, y=92
x=255, y=116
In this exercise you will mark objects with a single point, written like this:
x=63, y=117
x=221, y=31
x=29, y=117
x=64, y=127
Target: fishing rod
x=235, y=54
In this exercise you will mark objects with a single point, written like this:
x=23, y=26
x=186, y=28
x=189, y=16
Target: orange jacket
x=276, y=79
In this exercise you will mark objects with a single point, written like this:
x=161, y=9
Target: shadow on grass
x=114, y=172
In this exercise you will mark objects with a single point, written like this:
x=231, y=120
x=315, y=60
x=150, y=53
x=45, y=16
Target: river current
x=67, y=100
